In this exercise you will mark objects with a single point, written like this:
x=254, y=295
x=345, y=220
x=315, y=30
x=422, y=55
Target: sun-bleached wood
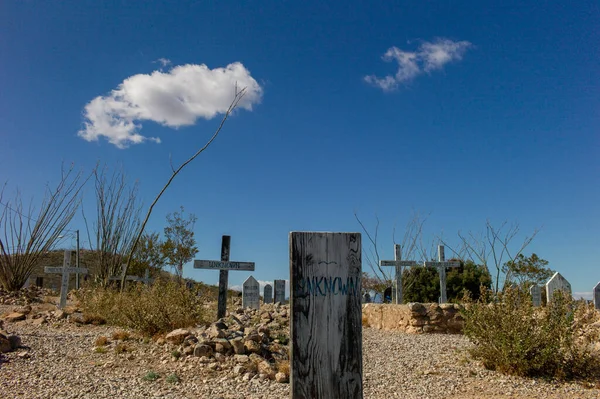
x=326, y=323
x=441, y=266
x=397, y=296
x=279, y=291
x=65, y=270
x=557, y=283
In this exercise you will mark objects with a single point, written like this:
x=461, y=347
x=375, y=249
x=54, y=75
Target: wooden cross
x=441, y=265
x=399, y=264
x=223, y=266
x=65, y=270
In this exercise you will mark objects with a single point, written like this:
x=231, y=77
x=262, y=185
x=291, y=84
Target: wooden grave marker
x=224, y=265
x=399, y=264
x=268, y=294
x=557, y=283
x=536, y=295
x=326, y=327
x=597, y=296
x=146, y=279
x=279, y=291
x=251, y=293
x=441, y=266
x=65, y=271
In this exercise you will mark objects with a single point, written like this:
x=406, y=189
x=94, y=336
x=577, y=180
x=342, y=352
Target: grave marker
x=268, y=294
x=279, y=291
x=557, y=283
x=223, y=266
x=146, y=279
x=65, y=271
x=325, y=303
x=536, y=295
x=387, y=295
x=251, y=293
x=366, y=298
x=597, y=296
x=399, y=264
x=441, y=266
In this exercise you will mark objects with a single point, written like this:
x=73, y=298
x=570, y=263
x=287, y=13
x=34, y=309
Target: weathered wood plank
x=223, y=278
x=557, y=283
x=221, y=265
x=268, y=294
x=251, y=293
x=279, y=291
x=326, y=328
x=597, y=296
x=536, y=295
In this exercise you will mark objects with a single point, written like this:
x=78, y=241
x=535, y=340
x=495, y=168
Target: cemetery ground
x=60, y=357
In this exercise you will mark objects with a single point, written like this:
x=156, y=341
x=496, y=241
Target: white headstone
x=251, y=293
x=279, y=291
x=557, y=283
x=597, y=296
x=268, y=294
x=536, y=295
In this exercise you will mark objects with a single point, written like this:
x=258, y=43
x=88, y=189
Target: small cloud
x=174, y=98
x=584, y=294
x=163, y=61
x=429, y=57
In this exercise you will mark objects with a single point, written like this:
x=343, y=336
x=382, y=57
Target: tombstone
x=557, y=283
x=597, y=296
x=39, y=281
x=536, y=294
x=268, y=294
x=251, y=293
x=65, y=271
x=441, y=266
x=397, y=296
x=279, y=291
x=189, y=285
x=146, y=279
x=366, y=298
x=223, y=266
x=326, y=314
x=387, y=295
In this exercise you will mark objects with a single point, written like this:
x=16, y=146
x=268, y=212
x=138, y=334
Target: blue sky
x=487, y=110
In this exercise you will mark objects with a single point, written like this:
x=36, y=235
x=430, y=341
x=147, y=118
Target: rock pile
x=251, y=343
x=24, y=296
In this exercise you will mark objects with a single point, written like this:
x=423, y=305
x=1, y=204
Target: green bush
x=514, y=337
x=151, y=376
x=160, y=308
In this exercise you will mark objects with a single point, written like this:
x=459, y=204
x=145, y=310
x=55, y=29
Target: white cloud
x=174, y=98
x=163, y=61
x=430, y=56
x=583, y=294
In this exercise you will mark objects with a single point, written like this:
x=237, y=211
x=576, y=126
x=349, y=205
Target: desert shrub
x=162, y=307
x=151, y=376
x=514, y=337
x=122, y=348
x=101, y=341
x=172, y=378
x=121, y=335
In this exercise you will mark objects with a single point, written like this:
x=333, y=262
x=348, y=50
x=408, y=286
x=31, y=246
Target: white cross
x=65, y=270
x=399, y=264
x=441, y=265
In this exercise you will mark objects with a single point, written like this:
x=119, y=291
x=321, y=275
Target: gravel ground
x=61, y=363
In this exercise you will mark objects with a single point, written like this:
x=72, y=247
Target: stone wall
x=414, y=318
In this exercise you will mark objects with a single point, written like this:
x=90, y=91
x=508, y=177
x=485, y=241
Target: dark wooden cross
x=224, y=265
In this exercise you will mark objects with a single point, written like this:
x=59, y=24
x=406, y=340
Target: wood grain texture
x=268, y=294
x=279, y=291
x=326, y=325
x=557, y=283
x=251, y=293
x=536, y=295
x=223, y=278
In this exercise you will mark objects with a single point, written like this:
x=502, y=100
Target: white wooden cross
x=65, y=270
x=399, y=264
x=441, y=266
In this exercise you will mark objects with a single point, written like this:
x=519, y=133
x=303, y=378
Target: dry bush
x=514, y=337
x=121, y=335
x=151, y=310
x=283, y=366
x=101, y=341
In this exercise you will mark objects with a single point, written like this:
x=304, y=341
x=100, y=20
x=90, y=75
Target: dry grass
x=101, y=341
x=121, y=335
